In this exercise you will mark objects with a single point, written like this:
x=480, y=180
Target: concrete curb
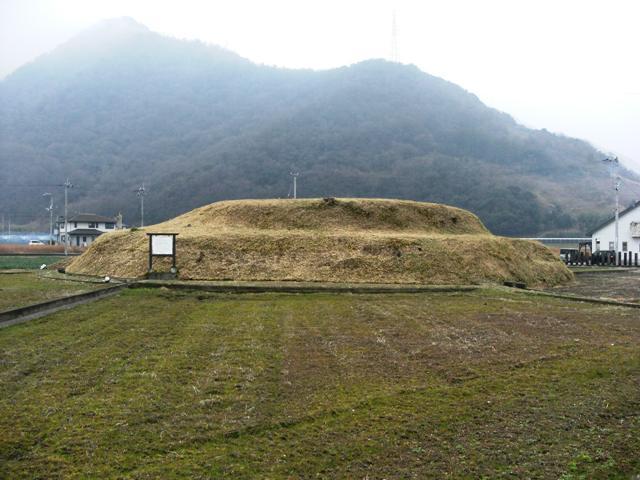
x=302, y=288
x=577, y=298
x=50, y=275
x=604, y=270
x=22, y=314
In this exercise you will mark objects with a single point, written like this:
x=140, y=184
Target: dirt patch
x=621, y=285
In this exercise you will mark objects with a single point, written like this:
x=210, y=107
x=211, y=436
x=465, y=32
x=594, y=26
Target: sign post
x=162, y=245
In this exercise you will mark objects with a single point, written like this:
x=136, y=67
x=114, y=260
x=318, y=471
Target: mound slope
x=336, y=240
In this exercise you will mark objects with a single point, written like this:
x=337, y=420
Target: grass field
x=26, y=262
x=20, y=289
x=163, y=384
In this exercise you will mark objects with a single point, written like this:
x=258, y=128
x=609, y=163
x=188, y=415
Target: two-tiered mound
x=330, y=240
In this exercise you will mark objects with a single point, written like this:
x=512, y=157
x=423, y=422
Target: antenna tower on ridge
x=394, y=39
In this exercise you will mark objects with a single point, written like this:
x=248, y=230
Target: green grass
x=21, y=289
x=153, y=384
x=27, y=262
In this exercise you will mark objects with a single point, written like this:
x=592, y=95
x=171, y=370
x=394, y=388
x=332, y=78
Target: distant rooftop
x=89, y=217
x=85, y=231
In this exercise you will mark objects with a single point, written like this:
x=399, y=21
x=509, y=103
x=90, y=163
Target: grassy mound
x=342, y=240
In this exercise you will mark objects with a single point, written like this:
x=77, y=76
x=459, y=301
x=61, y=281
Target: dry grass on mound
x=379, y=241
x=21, y=248
x=327, y=215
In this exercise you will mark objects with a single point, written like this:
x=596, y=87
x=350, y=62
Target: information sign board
x=162, y=244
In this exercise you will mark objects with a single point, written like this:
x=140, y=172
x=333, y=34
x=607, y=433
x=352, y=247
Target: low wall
x=22, y=314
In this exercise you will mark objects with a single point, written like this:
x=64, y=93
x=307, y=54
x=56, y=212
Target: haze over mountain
x=119, y=105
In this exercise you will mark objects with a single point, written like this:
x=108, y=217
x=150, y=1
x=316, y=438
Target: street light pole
x=50, y=210
x=613, y=161
x=617, y=234
x=295, y=183
x=141, y=193
x=67, y=185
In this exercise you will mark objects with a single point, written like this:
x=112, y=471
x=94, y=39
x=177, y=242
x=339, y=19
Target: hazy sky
x=571, y=66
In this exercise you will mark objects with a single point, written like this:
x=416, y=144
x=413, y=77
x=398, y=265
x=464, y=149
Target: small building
x=84, y=228
x=603, y=237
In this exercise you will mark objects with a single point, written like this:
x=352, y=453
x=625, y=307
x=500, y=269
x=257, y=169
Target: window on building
x=624, y=246
x=109, y=226
x=93, y=225
x=597, y=245
x=75, y=224
x=611, y=246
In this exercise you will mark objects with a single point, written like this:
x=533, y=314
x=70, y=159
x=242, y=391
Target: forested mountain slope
x=120, y=105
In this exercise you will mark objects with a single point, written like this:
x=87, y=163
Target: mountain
x=119, y=105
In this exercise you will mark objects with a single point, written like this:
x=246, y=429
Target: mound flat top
x=326, y=216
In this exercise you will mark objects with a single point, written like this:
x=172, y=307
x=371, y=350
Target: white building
x=603, y=237
x=84, y=228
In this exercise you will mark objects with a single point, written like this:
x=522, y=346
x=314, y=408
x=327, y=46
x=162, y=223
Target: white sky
x=571, y=66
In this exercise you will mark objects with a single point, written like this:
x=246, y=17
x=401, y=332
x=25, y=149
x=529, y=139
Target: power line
x=21, y=214
x=16, y=185
x=60, y=185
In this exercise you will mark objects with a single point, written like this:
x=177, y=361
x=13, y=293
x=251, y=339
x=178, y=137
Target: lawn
x=164, y=384
x=21, y=289
x=27, y=262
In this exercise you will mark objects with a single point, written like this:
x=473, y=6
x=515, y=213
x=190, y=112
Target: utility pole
x=50, y=210
x=141, y=193
x=613, y=161
x=617, y=237
x=295, y=183
x=67, y=185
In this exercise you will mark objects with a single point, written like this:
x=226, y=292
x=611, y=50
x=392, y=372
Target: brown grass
x=20, y=248
x=343, y=240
